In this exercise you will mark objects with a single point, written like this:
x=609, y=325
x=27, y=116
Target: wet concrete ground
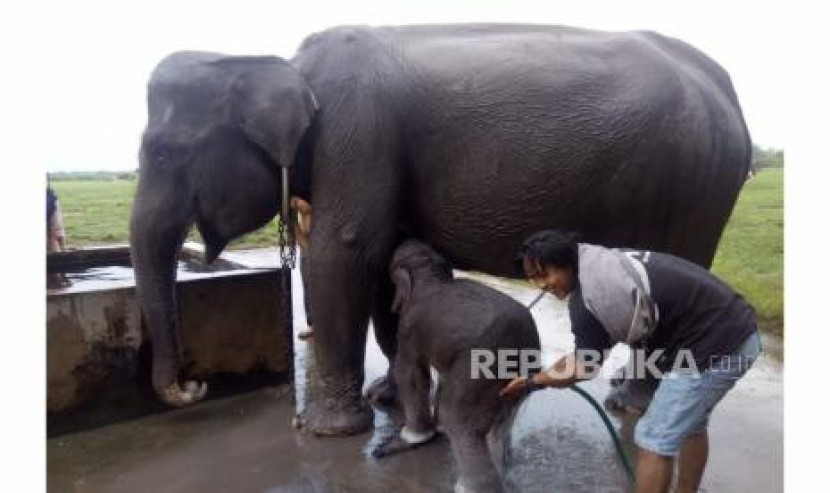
x=246, y=443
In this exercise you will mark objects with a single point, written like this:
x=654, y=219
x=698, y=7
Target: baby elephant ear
x=403, y=288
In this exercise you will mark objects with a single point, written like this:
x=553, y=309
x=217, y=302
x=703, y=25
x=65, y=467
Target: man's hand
x=562, y=374
x=512, y=389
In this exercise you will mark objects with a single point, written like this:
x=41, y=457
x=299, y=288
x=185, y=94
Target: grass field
x=751, y=252
x=750, y=256
x=97, y=212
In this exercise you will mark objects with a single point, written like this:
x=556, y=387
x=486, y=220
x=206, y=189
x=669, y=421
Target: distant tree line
x=92, y=175
x=764, y=158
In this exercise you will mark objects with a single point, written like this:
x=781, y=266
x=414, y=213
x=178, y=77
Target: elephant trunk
x=156, y=237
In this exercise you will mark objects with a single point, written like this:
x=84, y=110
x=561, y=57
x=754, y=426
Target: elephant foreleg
x=340, y=302
x=412, y=375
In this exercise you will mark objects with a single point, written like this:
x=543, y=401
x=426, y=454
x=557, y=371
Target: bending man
x=683, y=324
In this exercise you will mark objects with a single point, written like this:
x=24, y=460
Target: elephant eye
x=163, y=153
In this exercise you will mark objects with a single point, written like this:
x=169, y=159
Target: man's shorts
x=684, y=400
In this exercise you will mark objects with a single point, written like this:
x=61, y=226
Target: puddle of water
x=121, y=274
x=558, y=443
x=99, y=274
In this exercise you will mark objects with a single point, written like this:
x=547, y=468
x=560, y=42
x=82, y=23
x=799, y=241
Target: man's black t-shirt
x=697, y=311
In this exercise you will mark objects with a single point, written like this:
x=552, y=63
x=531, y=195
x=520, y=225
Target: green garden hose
x=629, y=471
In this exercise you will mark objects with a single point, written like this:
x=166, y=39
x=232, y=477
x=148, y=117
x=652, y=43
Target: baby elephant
x=448, y=324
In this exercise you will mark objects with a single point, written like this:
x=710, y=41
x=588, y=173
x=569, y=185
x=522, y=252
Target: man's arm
x=590, y=339
x=568, y=370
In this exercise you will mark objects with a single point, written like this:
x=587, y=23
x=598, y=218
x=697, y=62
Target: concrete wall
x=232, y=323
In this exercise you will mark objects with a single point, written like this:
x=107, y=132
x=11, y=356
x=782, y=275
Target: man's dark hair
x=550, y=247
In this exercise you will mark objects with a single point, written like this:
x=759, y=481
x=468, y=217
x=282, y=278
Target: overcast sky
x=97, y=56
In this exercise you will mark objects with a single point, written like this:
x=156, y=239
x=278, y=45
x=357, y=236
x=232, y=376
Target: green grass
x=97, y=212
x=750, y=257
x=751, y=252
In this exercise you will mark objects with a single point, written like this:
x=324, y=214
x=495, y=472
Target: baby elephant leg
x=469, y=408
x=476, y=470
x=413, y=379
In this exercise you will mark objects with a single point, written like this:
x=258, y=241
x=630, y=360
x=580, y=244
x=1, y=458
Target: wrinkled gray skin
x=208, y=156
x=472, y=136
x=442, y=320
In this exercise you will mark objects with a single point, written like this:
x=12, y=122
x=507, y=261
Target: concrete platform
x=98, y=347
x=245, y=443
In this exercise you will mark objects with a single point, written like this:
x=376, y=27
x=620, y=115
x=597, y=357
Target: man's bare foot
x=306, y=334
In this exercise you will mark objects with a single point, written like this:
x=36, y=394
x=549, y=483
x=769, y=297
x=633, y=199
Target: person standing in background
x=303, y=209
x=55, y=234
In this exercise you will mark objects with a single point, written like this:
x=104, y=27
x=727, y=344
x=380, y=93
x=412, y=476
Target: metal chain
x=288, y=247
x=288, y=259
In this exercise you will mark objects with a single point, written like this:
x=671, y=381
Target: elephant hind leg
x=696, y=239
x=476, y=471
x=469, y=408
x=413, y=377
x=384, y=320
x=383, y=392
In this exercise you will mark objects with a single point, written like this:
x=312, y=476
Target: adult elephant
x=473, y=136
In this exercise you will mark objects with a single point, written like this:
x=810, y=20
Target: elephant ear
x=403, y=289
x=272, y=104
